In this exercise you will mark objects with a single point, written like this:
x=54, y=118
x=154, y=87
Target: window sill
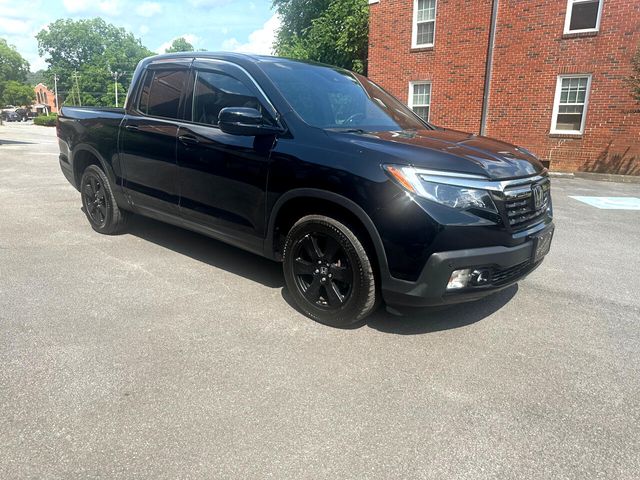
x=420, y=49
x=573, y=136
x=579, y=34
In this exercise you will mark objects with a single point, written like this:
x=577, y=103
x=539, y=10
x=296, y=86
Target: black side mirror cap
x=246, y=122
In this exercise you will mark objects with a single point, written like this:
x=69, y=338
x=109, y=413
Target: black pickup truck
x=318, y=168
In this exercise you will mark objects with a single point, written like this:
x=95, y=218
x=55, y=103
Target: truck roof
x=240, y=58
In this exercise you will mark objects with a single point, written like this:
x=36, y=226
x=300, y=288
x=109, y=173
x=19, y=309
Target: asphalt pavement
x=161, y=353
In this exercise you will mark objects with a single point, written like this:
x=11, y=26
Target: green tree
x=34, y=78
x=328, y=31
x=93, y=49
x=17, y=93
x=180, y=45
x=12, y=65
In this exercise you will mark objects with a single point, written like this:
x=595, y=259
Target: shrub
x=46, y=120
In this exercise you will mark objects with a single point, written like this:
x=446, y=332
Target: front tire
x=99, y=204
x=328, y=272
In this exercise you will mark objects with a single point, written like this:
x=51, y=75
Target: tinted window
x=214, y=91
x=584, y=15
x=328, y=97
x=161, y=91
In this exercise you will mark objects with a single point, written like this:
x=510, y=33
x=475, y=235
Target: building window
x=424, y=23
x=583, y=16
x=420, y=99
x=570, y=105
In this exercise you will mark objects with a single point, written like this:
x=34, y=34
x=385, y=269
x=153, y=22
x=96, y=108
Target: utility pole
x=75, y=77
x=55, y=90
x=116, y=76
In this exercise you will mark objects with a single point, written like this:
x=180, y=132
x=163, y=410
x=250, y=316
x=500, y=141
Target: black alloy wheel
x=93, y=198
x=99, y=204
x=322, y=271
x=328, y=272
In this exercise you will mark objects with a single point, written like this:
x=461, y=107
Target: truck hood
x=448, y=150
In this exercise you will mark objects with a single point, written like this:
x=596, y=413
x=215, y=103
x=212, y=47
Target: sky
x=231, y=25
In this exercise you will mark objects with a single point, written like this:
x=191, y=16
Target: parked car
x=318, y=168
x=23, y=114
x=10, y=116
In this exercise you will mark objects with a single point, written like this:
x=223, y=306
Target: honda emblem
x=538, y=196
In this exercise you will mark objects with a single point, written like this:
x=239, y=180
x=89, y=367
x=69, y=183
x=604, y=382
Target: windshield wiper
x=348, y=130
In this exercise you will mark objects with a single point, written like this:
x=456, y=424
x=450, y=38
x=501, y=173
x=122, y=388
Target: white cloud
x=143, y=29
x=11, y=25
x=148, y=9
x=189, y=37
x=110, y=7
x=37, y=63
x=208, y=3
x=75, y=6
x=259, y=42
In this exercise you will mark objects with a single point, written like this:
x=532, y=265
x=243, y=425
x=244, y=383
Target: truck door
x=148, y=139
x=223, y=177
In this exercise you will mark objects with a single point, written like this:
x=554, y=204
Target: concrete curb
x=601, y=177
x=561, y=175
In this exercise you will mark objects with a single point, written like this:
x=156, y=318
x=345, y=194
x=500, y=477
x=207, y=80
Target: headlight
x=453, y=196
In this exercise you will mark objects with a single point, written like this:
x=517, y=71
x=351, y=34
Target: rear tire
x=328, y=272
x=99, y=204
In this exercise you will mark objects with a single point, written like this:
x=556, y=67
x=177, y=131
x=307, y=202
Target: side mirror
x=245, y=121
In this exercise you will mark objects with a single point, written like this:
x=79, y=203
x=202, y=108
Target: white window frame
x=567, y=19
x=414, y=31
x=410, y=96
x=556, y=105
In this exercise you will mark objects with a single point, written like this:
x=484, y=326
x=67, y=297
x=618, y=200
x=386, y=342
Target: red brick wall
x=455, y=65
x=530, y=52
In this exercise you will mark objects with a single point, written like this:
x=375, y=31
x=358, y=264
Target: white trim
x=410, y=97
x=567, y=18
x=414, y=28
x=556, y=105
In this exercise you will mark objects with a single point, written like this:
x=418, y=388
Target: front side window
x=570, y=107
x=424, y=23
x=583, y=16
x=161, y=90
x=420, y=99
x=214, y=91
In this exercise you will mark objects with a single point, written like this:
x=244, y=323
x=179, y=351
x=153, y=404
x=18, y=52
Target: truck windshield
x=333, y=98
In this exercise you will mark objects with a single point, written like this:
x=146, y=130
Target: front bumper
x=508, y=265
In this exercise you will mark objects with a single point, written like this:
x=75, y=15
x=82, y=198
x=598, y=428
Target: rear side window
x=214, y=91
x=161, y=90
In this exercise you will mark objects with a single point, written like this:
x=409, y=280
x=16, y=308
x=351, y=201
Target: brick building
x=548, y=75
x=45, y=100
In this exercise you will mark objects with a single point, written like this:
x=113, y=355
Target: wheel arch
x=85, y=155
x=291, y=206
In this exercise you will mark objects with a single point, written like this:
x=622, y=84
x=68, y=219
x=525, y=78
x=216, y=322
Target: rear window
x=161, y=90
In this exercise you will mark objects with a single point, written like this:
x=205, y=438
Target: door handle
x=188, y=140
x=132, y=128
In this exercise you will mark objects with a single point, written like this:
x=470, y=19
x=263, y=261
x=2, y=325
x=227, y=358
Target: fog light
x=459, y=279
x=480, y=277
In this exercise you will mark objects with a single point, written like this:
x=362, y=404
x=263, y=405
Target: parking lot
x=161, y=353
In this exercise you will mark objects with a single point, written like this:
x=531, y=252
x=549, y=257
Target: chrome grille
x=520, y=205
